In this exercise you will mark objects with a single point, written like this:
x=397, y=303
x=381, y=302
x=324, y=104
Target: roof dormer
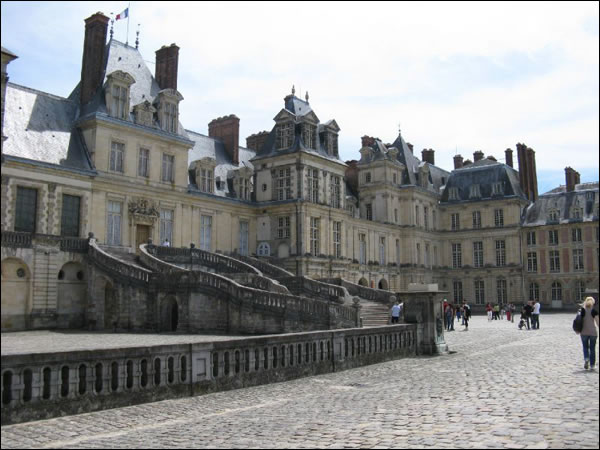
x=117, y=94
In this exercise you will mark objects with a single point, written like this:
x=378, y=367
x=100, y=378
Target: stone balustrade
x=266, y=268
x=117, y=267
x=315, y=288
x=44, y=385
x=374, y=295
x=16, y=239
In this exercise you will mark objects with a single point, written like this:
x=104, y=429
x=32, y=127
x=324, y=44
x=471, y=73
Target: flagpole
x=128, y=14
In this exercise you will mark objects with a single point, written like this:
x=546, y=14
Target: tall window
x=244, y=233
x=382, y=251
x=579, y=291
x=336, y=192
x=531, y=238
x=418, y=254
x=168, y=161
x=144, y=159
x=337, y=239
x=456, y=256
x=69, y=224
x=474, y=191
x=113, y=231
x=553, y=237
x=478, y=254
x=283, y=227
x=501, y=253
x=578, y=259
x=166, y=225
x=119, y=98
x=369, y=209
x=476, y=219
x=497, y=189
x=284, y=184
x=576, y=234
x=206, y=180
x=501, y=290
x=26, y=209
x=362, y=248
x=426, y=217
x=395, y=215
x=433, y=220
x=479, y=292
x=332, y=144
x=455, y=217
x=117, y=151
x=499, y=217
x=427, y=255
x=531, y=261
x=368, y=177
x=313, y=185
x=170, y=124
x=309, y=135
x=554, y=261
x=458, y=291
x=534, y=292
x=205, y=232
x=315, y=236
x=398, y=251
x=453, y=193
x=556, y=291
x=285, y=135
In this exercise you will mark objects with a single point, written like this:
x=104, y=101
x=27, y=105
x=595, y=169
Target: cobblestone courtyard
x=502, y=388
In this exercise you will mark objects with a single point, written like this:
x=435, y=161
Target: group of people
x=530, y=316
x=460, y=312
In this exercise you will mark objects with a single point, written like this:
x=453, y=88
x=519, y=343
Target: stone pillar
x=423, y=306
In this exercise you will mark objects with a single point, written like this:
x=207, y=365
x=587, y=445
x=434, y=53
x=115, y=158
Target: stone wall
x=45, y=385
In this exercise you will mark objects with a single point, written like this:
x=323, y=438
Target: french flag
x=123, y=15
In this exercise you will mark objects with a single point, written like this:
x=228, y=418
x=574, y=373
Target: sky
x=454, y=77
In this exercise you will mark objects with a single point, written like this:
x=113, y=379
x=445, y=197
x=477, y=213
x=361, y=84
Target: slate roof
x=40, y=127
x=485, y=173
x=204, y=147
x=585, y=196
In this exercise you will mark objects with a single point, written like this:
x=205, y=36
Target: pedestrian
x=502, y=311
x=166, y=243
x=535, y=316
x=508, y=311
x=513, y=308
x=527, y=310
x=452, y=318
x=448, y=312
x=496, y=311
x=488, y=308
x=458, y=312
x=466, y=315
x=396, y=310
x=589, y=332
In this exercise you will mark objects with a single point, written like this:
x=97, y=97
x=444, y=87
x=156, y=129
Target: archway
x=72, y=295
x=105, y=292
x=383, y=284
x=363, y=282
x=169, y=315
x=16, y=294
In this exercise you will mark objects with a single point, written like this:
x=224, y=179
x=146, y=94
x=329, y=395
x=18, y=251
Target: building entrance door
x=142, y=234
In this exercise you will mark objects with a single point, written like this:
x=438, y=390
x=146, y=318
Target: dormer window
x=205, y=174
x=285, y=135
x=309, y=135
x=206, y=180
x=117, y=94
x=497, y=189
x=553, y=215
x=474, y=191
x=577, y=213
x=332, y=144
x=453, y=194
x=168, y=110
x=170, y=117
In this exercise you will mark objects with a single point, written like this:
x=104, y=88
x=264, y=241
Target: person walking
x=496, y=311
x=396, y=310
x=535, y=316
x=508, y=311
x=458, y=312
x=449, y=313
x=527, y=310
x=589, y=332
x=489, y=310
x=466, y=315
x=513, y=308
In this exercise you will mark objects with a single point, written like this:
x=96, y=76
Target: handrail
x=375, y=295
x=115, y=265
x=265, y=267
x=16, y=239
x=203, y=257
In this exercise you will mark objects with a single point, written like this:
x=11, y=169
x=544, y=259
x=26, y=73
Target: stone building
x=114, y=159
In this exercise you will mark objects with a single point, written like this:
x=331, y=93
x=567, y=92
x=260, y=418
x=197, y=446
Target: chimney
x=428, y=156
x=228, y=130
x=509, y=157
x=352, y=174
x=478, y=155
x=256, y=141
x=367, y=141
x=458, y=162
x=572, y=178
x=167, y=60
x=92, y=64
x=527, y=171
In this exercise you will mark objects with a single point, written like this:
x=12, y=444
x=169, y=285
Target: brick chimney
x=228, y=130
x=572, y=178
x=256, y=141
x=428, y=155
x=478, y=155
x=367, y=141
x=92, y=64
x=509, y=157
x=458, y=162
x=352, y=174
x=167, y=60
x=527, y=171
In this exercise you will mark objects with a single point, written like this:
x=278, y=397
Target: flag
x=123, y=15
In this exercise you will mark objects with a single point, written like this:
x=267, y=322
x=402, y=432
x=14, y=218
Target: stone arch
x=283, y=251
x=72, y=295
x=383, y=284
x=363, y=282
x=169, y=314
x=16, y=294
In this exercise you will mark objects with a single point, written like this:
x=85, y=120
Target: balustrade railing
x=16, y=239
x=266, y=268
x=375, y=295
x=116, y=266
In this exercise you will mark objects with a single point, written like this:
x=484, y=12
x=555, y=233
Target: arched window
x=264, y=249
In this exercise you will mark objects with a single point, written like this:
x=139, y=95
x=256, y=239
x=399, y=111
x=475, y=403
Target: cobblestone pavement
x=503, y=388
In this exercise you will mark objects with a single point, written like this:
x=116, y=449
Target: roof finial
x=306, y=96
x=137, y=37
x=399, y=128
x=293, y=90
x=112, y=23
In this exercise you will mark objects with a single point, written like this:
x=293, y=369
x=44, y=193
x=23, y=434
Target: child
x=522, y=322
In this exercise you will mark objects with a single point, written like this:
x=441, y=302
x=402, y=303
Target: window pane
x=70, y=215
x=26, y=209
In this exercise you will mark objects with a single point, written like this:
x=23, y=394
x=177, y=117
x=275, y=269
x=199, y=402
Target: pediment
x=284, y=114
x=171, y=93
x=121, y=76
x=311, y=117
x=332, y=125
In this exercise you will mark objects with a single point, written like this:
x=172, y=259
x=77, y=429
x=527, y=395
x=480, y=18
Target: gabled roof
x=297, y=106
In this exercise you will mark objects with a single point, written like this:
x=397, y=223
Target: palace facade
x=114, y=159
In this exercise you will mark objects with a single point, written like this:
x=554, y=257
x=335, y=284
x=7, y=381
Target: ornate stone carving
x=143, y=209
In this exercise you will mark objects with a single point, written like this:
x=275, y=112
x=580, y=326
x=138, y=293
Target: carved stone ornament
x=144, y=209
